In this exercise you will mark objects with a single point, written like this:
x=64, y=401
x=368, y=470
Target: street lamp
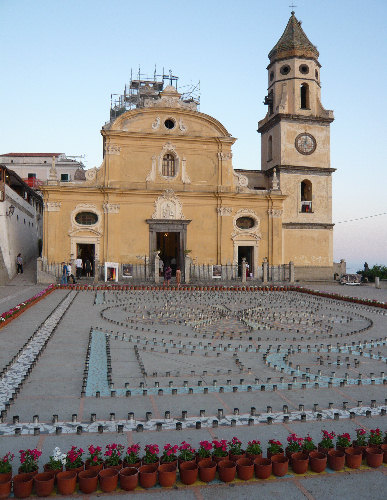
x=9, y=213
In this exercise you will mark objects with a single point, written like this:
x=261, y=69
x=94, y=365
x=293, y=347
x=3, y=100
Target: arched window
x=169, y=169
x=270, y=148
x=306, y=196
x=304, y=94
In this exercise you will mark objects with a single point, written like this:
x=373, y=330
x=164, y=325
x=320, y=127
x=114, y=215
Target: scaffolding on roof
x=142, y=87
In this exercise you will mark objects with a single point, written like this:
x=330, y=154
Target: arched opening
x=306, y=196
x=270, y=148
x=168, y=169
x=304, y=95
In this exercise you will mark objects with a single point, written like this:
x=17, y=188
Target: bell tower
x=295, y=140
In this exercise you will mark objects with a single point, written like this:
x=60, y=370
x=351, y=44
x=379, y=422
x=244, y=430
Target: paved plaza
x=166, y=366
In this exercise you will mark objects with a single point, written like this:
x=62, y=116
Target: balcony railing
x=306, y=206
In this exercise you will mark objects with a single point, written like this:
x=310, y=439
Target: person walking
x=168, y=275
x=178, y=277
x=63, y=279
x=70, y=274
x=78, y=267
x=19, y=263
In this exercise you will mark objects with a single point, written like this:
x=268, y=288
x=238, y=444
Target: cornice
x=312, y=120
x=163, y=137
x=301, y=169
x=306, y=225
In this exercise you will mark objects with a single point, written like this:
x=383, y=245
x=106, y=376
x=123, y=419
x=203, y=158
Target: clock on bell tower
x=295, y=140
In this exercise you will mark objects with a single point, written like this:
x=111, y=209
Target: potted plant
x=274, y=448
x=253, y=449
x=235, y=449
x=308, y=444
x=6, y=467
x=220, y=450
x=327, y=441
x=361, y=440
x=343, y=441
x=294, y=444
x=74, y=459
x=204, y=450
x=187, y=453
x=132, y=458
x=151, y=454
x=375, y=438
x=29, y=460
x=56, y=461
x=169, y=454
x=94, y=460
x=113, y=455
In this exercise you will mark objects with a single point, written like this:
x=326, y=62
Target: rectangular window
x=64, y=177
x=32, y=176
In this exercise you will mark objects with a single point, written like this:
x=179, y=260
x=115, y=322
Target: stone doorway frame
x=167, y=226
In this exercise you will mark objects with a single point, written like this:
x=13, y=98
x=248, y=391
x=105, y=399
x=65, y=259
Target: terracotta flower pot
x=88, y=481
x=262, y=467
x=31, y=474
x=180, y=461
x=92, y=466
x=269, y=454
x=77, y=469
x=167, y=475
x=219, y=459
x=5, y=476
x=207, y=470
x=235, y=458
x=318, y=461
x=374, y=457
x=136, y=465
x=336, y=459
x=108, y=479
x=148, y=475
x=280, y=465
x=128, y=478
x=353, y=457
x=47, y=468
x=188, y=472
x=44, y=483
x=5, y=487
x=253, y=456
x=245, y=468
x=300, y=462
x=384, y=448
x=323, y=450
x=66, y=482
x=116, y=467
x=22, y=485
x=362, y=448
x=227, y=471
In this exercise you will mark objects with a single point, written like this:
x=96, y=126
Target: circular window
x=169, y=123
x=245, y=222
x=316, y=74
x=86, y=218
x=285, y=70
x=304, y=69
x=271, y=76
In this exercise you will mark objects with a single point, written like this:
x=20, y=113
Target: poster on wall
x=127, y=270
x=216, y=272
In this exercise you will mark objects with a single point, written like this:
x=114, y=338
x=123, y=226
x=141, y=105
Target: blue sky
x=61, y=60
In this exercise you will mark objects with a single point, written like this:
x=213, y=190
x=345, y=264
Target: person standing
x=19, y=263
x=70, y=274
x=88, y=268
x=63, y=280
x=178, y=277
x=168, y=275
x=78, y=267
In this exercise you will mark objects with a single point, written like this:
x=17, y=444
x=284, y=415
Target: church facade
x=167, y=181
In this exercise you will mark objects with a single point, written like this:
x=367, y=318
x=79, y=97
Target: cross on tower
x=292, y=7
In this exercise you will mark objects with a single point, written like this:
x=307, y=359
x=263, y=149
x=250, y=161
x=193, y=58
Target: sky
x=62, y=59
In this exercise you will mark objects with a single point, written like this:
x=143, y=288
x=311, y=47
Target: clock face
x=305, y=144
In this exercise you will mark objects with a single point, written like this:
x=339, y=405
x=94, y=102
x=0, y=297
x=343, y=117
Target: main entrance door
x=168, y=236
x=169, y=246
x=246, y=252
x=86, y=252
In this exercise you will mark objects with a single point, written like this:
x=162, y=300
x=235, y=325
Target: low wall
x=308, y=273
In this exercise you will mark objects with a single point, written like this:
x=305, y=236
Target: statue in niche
x=168, y=212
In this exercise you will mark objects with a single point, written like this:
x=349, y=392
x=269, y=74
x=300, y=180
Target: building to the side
x=167, y=181
x=34, y=168
x=21, y=222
